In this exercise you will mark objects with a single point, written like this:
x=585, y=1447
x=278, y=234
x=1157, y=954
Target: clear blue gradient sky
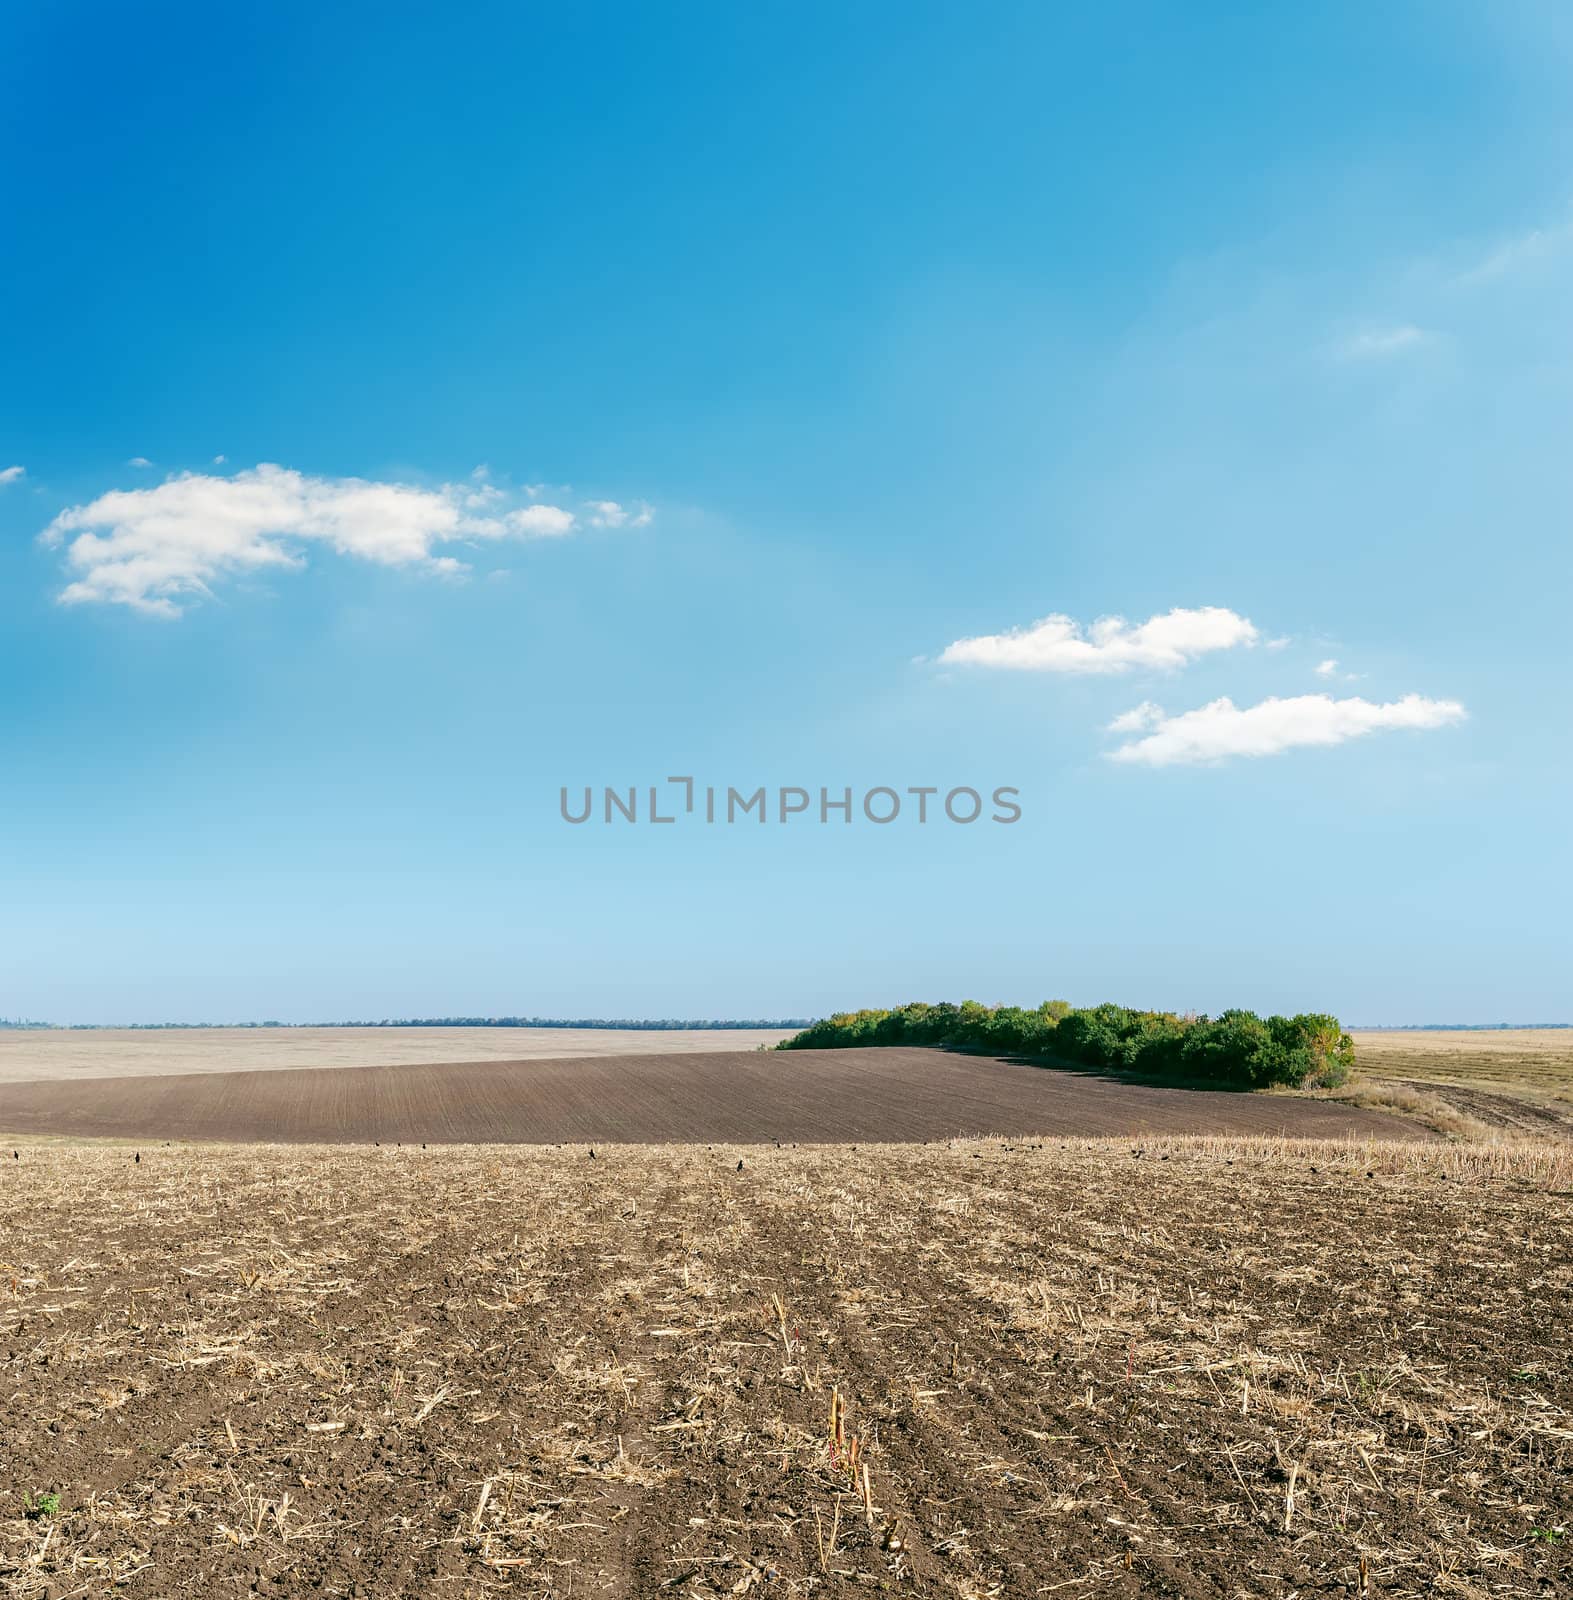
x=793, y=345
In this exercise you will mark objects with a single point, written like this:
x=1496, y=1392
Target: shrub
x=1237, y=1047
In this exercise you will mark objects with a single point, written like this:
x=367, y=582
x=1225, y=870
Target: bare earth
x=1222, y=1368
x=893, y=1094
x=39, y=1053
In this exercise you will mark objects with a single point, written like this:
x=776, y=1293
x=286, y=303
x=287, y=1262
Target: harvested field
x=1185, y=1367
x=1539, y=1060
x=854, y=1095
x=1468, y=1083
x=30, y=1054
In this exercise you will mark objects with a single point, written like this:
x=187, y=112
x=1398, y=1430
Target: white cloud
x=218, y=461
x=1222, y=729
x=612, y=514
x=139, y=461
x=1111, y=644
x=1326, y=669
x=541, y=521
x=146, y=548
x=12, y=475
x=1137, y=718
x=1376, y=343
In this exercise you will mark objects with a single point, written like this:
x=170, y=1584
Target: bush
x=1237, y=1048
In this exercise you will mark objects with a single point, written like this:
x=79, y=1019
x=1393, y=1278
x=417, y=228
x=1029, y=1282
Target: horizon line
x=643, y=1024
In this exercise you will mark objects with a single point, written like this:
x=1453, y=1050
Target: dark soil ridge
x=896, y=1094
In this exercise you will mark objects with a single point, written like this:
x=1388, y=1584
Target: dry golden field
x=1537, y=1059
x=1178, y=1366
x=1470, y=1084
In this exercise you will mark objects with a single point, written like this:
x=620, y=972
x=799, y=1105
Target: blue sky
x=655, y=392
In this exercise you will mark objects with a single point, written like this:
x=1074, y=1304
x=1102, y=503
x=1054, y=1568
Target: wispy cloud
x=1060, y=644
x=612, y=514
x=1429, y=291
x=1326, y=669
x=139, y=462
x=12, y=475
x=1522, y=250
x=1221, y=730
x=1375, y=344
x=149, y=548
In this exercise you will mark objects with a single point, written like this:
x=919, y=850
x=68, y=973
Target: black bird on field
x=740, y=1166
x=592, y=1155
x=139, y=1158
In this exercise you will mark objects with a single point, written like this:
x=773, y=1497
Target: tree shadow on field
x=1125, y=1075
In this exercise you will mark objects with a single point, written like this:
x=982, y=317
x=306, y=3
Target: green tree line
x=1237, y=1048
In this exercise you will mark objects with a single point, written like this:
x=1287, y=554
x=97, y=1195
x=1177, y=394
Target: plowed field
x=1179, y=1367
x=741, y=1096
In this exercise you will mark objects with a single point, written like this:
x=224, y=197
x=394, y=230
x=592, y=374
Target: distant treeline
x=643, y=1025
x=647, y=1024
x=1458, y=1027
x=1237, y=1048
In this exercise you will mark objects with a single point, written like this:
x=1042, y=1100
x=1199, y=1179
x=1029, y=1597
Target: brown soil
x=1184, y=1368
x=853, y=1095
